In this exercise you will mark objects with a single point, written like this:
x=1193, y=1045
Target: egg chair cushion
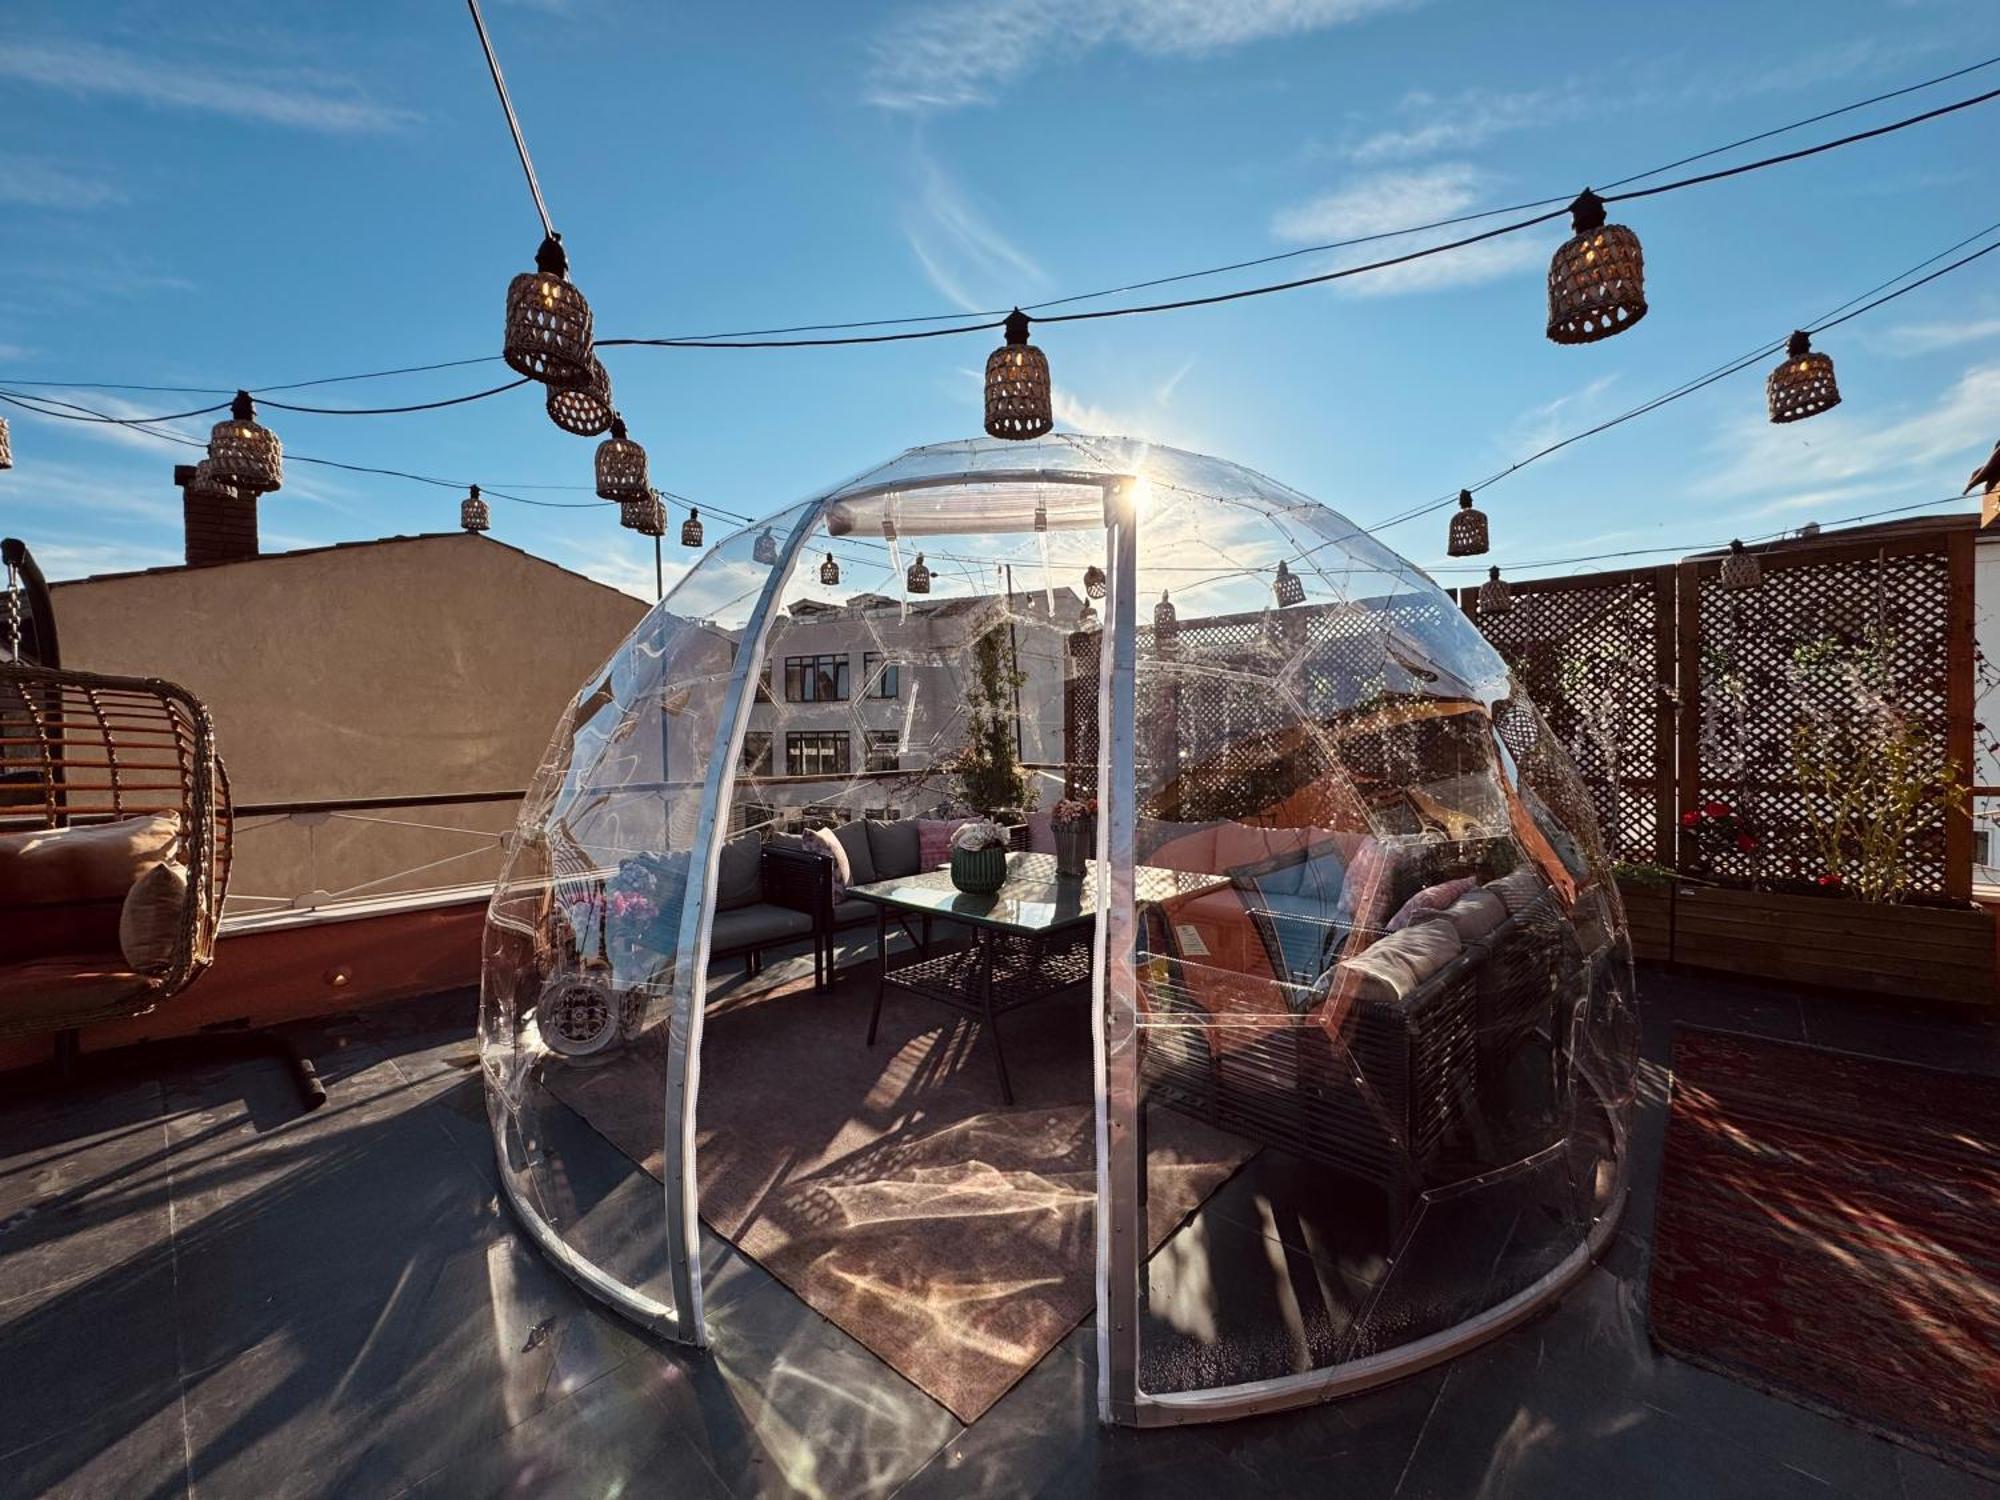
x=1391, y=970
x=150, y=925
x=894, y=850
x=54, y=990
x=64, y=888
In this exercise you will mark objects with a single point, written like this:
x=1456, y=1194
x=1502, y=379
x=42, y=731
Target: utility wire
x=513, y=121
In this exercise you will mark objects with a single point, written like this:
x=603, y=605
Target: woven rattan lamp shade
x=1017, y=385
x=1467, y=536
x=243, y=454
x=829, y=572
x=473, y=513
x=548, y=321
x=621, y=467
x=1494, y=595
x=765, y=548
x=646, y=515
x=1803, y=385
x=1093, y=581
x=918, y=577
x=205, y=486
x=1597, y=280
x=691, y=529
x=583, y=409
x=1740, y=569
x=1166, y=623
x=6, y=446
x=1287, y=587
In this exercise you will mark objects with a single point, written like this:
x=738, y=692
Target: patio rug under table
x=1829, y=1230
x=888, y=1186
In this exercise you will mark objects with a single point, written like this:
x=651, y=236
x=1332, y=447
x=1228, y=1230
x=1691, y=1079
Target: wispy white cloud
x=960, y=251
x=33, y=183
x=1849, y=455
x=61, y=558
x=300, y=101
x=946, y=56
x=1550, y=421
x=1388, y=201
x=1470, y=119
x=1929, y=338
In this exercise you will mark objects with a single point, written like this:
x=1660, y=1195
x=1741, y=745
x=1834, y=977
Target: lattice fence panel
x=1595, y=656
x=1819, y=638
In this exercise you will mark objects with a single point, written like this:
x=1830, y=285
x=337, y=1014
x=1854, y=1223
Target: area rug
x=1829, y=1230
x=889, y=1188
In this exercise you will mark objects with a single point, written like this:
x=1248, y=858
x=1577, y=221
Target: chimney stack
x=221, y=523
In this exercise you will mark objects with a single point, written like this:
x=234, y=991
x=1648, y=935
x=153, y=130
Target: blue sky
x=209, y=195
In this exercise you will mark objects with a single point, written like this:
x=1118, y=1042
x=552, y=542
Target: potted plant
x=1073, y=822
x=987, y=769
x=1647, y=893
x=979, y=857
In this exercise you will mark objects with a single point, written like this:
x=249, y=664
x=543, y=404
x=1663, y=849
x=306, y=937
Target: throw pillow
x=1430, y=900
x=1392, y=969
x=1476, y=914
x=823, y=840
x=151, y=920
x=1517, y=890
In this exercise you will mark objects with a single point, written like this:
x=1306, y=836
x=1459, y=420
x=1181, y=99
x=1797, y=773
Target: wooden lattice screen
x=1829, y=624
x=1596, y=655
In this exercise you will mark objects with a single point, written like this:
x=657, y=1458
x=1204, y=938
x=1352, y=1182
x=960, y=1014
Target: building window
x=883, y=676
x=816, y=679
x=816, y=752
x=827, y=817
x=757, y=753
x=751, y=815
x=882, y=814
x=882, y=750
x=764, y=683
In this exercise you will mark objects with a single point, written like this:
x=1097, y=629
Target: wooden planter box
x=1912, y=952
x=1649, y=913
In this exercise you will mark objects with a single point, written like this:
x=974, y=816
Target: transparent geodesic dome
x=1344, y=919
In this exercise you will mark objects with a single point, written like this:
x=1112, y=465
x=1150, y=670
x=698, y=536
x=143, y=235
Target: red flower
x=1829, y=880
x=1690, y=819
x=1717, y=809
x=1746, y=842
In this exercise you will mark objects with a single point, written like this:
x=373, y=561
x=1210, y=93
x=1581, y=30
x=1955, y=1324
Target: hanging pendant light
x=1597, y=280
x=691, y=528
x=1803, y=385
x=918, y=578
x=1166, y=625
x=1086, y=618
x=1041, y=517
x=765, y=548
x=1017, y=385
x=1467, y=537
x=548, y=321
x=583, y=409
x=829, y=572
x=473, y=513
x=205, y=486
x=244, y=454
x=1740, y=569
x=6, y=447
x=1287, y=587
x=646, y=516
x=621, y=466
x=1494, y=596
x=1093, y=581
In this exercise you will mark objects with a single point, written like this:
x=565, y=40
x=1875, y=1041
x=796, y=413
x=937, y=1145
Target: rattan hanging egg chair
x=114, y=842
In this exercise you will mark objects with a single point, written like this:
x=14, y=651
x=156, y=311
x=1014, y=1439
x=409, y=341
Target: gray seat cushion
x=853, y=912
x=892, y=847
x=853, y=838
x=739, y=872
x=753, y=926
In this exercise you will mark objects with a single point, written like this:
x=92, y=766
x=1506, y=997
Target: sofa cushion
x=149, y=926
x=1189, y=847
x=853, y=912
x=853, y=841
x=752, y=926
x=1477, y=914
x=1518, y=890
x=893, y=850
x=1391, y=970
x=739, y=872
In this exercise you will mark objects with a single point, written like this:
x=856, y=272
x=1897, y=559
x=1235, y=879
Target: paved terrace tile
x=203, y=1291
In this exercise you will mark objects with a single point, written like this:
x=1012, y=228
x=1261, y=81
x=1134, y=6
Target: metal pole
x=659, y=573
x=1014, y=650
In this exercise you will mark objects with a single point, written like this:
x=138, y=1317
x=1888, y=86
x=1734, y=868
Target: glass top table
x=1031, y=939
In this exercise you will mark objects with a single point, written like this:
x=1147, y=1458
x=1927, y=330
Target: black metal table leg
x=881, y=968
x=987, y=945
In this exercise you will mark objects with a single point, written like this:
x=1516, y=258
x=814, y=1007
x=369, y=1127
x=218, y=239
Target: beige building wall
x=412, y=666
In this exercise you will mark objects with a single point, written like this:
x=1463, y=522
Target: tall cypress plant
x=988, y=771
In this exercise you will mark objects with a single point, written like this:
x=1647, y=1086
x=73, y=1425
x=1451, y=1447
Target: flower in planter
x=1829, y=882
x=979, y=834
x=1691, y=819
x=1716, y=810
x=1073, y=810
x=1747, y=842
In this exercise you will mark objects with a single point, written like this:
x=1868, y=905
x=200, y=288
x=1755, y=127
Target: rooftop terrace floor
x=204, y=1291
